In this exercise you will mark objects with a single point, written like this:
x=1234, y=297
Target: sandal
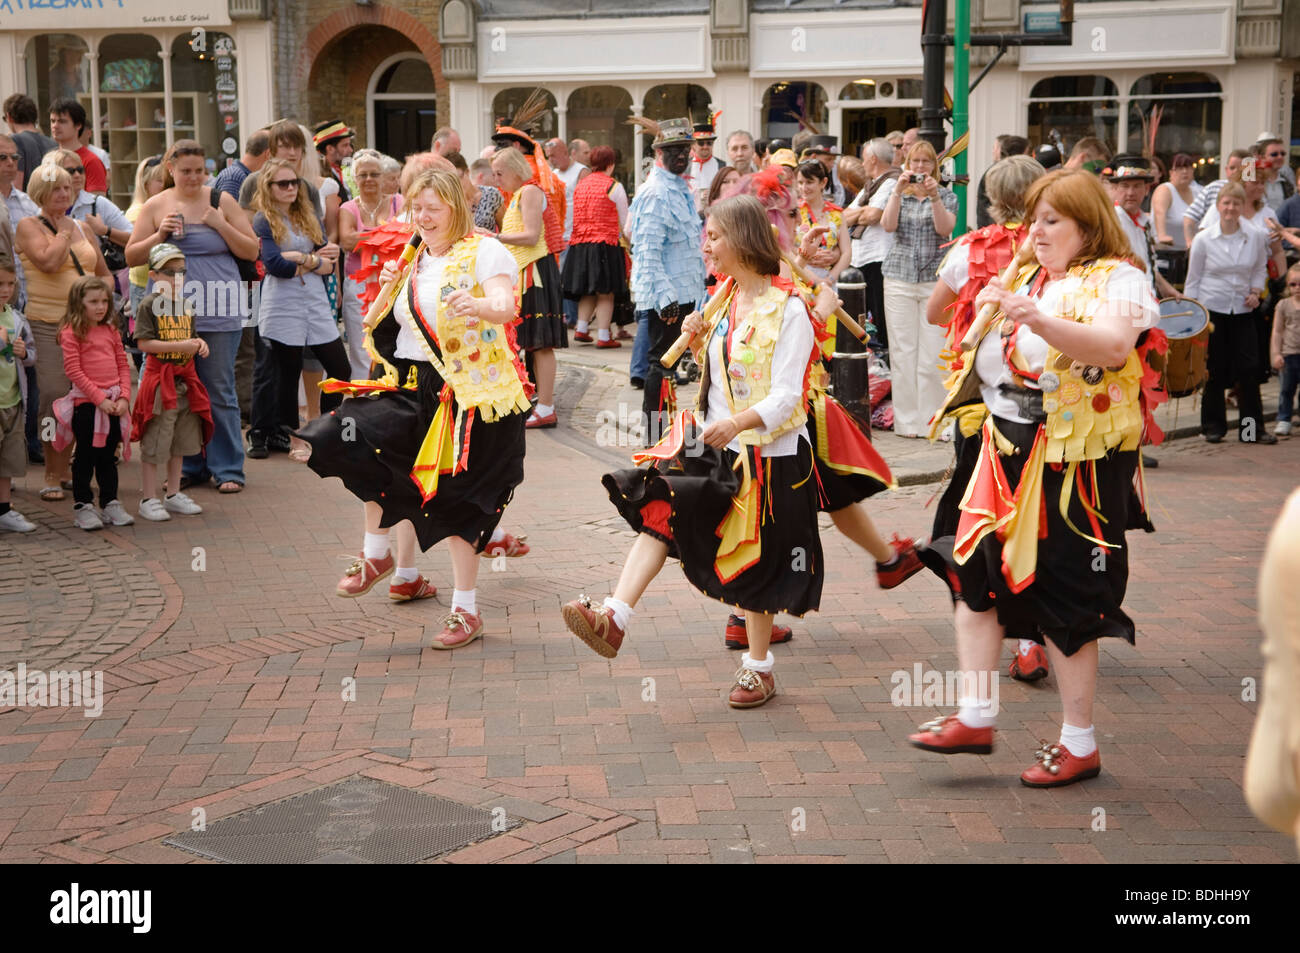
x=52, y=494
x=230, y=486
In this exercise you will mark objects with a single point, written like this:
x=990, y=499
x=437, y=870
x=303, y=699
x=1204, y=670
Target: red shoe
x=595, y=626
x=1029, y=666
x=949, y=736
x=905, y=565
x=583, y=337
x=459, y=628
x=535, y=422
x=417, y=588
x=737, y=638
x=752, y=689
x=1056, y=767
x=509, y=546
x=609, y=343
x=623, y=336
x=363, y=574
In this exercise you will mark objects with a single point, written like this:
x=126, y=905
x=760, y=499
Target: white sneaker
x=180, y=503
x=86, y=517
x=15, y=522
x=153, y=509
x=1282, y=428
x=116, y=514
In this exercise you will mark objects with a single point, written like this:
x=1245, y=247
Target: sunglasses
x=75, y=169
x=171, y=272
x=152, y=161
x=286, y=183
x=11, y=156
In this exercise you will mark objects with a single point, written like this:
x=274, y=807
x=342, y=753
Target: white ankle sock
x=764, y=667
x=407, y=574
x=975, y=713
x=545, y=410
x=465, y=600
x=1081, y=741
x=498, y=535
x=583, y=326
x=375, y=545
x=622, y=612
x=1026, y=645
x=602, y=335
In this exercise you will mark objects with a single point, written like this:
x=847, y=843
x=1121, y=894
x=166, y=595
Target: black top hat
x=1129, y=165
x=822, y=145
x=1048, y=156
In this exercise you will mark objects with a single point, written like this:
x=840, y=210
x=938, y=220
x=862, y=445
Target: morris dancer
x=737, y=501
x=975, y=259
x=1048, y=487
x=439, y=440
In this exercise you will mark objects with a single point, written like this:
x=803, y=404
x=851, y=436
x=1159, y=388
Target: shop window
x=506, y=103
x=130, y=107
x=788, y=107
x=677, y=101
x=205, y=98
x=859, y=89
x=909, y=89
x=57, y=68
x=1178, y=112
x=599, y=115
x=1065, y=109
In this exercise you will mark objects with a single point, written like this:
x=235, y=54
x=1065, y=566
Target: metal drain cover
x=357, y=821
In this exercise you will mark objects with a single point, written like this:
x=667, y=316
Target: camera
x=915, y=178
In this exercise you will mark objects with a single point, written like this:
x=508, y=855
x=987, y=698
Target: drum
x=1186, y=323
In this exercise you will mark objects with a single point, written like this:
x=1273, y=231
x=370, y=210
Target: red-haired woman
x=595, y=269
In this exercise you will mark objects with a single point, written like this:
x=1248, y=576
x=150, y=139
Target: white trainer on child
x=180, y=503
x=86, y=517
x=15, y=522
x=153, y=509
x=1282, y=428
x=114, y=512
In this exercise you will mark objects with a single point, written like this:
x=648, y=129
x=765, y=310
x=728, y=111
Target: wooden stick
x=813, y=282
x=991, y=310
x=385, y=296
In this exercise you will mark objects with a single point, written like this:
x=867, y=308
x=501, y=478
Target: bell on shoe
x=751, y=689
x=737, y=637
x=460, y=628
x=1055, y=766
x=362, y=575
x=595, y=626
x=949, y=735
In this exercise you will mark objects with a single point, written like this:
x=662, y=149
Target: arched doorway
x=599, y=115
x=343, y=74
x=401, y=111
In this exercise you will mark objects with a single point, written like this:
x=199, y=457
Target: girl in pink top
x=96, y=411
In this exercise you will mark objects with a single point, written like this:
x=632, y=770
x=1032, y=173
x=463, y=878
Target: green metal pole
x=960, y=100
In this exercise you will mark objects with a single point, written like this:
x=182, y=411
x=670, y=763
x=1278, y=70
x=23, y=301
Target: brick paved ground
x=224, y=653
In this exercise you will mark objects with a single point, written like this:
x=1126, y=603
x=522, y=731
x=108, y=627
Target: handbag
x=114, y=254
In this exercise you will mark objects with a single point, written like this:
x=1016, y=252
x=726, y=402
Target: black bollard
x=849, y=364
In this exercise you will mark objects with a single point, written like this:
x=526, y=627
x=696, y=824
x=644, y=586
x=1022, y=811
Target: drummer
x=1227, y=272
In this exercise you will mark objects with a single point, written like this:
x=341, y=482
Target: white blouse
x=492, y=260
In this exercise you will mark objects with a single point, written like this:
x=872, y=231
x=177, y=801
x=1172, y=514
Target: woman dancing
x=736, y=501
x=439, y=440
x=1039, y=503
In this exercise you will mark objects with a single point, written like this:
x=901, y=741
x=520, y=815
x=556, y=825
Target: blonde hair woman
x=149, y=176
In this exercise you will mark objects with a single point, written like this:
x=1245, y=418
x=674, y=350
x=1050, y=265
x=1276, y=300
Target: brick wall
x=327, y=50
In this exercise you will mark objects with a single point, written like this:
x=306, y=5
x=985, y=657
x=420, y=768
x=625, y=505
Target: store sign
x=783, y=44
x=1043, y=22
x=1134, y=34
x=58, y=15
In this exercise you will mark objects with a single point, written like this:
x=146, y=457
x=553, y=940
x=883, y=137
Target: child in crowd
x=173, y=416
x=1286, y=349
x=17, y=351
x=95, y=412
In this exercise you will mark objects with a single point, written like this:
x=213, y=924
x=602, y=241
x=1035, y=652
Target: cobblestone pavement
x=224, y=652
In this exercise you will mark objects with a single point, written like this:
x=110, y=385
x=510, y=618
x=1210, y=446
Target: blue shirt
x=231, y=178
x=667, y=264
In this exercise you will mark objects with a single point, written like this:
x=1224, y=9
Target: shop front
x=147, y=72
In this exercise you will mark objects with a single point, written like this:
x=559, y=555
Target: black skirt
x=698, y=486
x=541, y=310
x=370, y=443
x=594, y=268
x=1075, y=598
